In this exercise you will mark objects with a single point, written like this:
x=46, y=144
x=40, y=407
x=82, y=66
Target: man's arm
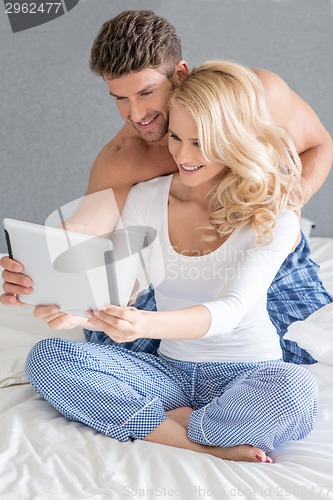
x=313, y=142
x=128, y=159
x=123, y=162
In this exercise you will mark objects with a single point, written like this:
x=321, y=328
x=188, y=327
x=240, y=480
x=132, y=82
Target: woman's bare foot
x=241, y=453
x=173, y=432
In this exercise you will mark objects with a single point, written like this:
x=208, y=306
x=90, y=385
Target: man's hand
x=15, y=282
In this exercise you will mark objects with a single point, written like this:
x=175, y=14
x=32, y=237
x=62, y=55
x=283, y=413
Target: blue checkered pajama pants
x=295, y=293
x=125, y=394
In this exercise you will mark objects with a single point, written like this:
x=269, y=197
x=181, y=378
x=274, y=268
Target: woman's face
x=185, y=148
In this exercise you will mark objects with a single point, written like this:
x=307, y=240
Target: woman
x=225, y=225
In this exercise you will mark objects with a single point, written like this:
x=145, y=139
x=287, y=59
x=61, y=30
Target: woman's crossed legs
x=236, y=411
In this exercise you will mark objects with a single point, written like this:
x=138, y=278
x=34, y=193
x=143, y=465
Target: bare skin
x=181, y=415
x=173, y=432
x=131, y=156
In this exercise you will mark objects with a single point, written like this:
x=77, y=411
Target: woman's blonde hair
x=263, y=171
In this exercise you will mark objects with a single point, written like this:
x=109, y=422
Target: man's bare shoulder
x=273, y=84
x=281, y=99
x=128, y=159
x=295, y=115
x=122, y=143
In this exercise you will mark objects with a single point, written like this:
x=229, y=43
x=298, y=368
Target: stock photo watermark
x=197, y=491
x=24, y=15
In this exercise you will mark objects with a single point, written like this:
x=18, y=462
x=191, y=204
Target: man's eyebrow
x=113, y=95
x=145, y=89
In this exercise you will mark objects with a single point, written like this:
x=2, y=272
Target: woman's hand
x=122, y=324
x=125, y=324
x=58, y=320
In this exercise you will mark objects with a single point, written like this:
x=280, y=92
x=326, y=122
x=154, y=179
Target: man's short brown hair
x=135, y=40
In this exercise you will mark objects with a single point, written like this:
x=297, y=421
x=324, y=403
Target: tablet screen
x=75, y=271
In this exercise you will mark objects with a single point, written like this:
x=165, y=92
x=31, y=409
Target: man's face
x=142, y=101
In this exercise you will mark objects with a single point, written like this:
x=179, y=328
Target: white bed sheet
x=43, y=456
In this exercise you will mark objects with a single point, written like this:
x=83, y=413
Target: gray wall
x=56, y=115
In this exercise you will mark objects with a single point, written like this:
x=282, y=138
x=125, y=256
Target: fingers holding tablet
x=14, y=282
x=58, y=320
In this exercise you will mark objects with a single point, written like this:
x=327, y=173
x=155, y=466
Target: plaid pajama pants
x=125, y=394
x=296, y=292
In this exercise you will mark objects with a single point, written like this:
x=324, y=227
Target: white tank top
x=232, y=281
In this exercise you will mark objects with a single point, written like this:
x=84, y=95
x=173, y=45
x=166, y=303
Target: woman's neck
x=196, y=194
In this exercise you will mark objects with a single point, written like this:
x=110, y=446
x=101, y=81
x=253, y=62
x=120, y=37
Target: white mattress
x=43, y=456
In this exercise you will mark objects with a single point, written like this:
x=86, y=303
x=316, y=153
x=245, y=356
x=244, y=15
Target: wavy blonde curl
x=263, y=170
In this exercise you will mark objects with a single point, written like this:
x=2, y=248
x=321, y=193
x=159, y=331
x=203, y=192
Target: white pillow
x=315, y=334
x=306, y=226
x=19, y=331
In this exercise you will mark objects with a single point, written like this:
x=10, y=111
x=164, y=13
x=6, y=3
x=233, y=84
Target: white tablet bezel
x=37, y=247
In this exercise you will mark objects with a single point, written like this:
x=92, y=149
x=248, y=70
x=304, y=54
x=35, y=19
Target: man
x=138, y=54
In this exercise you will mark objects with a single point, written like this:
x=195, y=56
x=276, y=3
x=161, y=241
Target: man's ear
x=181, y=71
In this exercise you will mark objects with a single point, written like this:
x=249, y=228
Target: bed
x=44, y=456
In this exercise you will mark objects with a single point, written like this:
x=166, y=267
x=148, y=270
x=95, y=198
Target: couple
x=217, y=385
x=139, y=56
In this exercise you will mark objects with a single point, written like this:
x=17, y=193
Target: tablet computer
x=75, y=271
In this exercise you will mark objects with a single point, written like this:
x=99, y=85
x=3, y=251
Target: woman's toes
x=262, y=457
